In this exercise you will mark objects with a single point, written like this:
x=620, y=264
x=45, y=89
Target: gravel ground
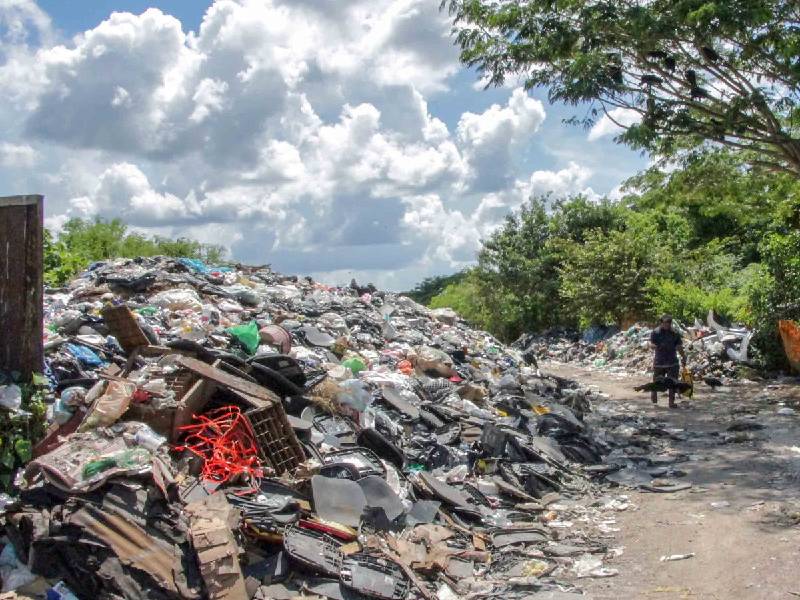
x=741, y=519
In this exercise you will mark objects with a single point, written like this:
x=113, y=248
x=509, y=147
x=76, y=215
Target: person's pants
x=672, y=372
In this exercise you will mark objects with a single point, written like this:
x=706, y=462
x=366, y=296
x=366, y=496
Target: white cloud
x=19, y=19
x=489, y=138
x=17, y=155
x=123, y=190
x=209, y=97
x=565, y=182
x=292, y=131
x=606, y=126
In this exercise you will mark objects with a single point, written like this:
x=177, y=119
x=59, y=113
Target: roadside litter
x=673, y=557
x=713, y=351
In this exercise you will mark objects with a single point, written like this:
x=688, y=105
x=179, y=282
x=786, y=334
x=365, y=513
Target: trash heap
x=712, y=349
x=221, y=432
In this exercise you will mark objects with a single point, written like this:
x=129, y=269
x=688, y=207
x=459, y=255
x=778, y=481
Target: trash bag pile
x=230, y=432
x=712, y=349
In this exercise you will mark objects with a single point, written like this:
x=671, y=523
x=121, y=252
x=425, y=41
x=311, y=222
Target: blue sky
x=75, y=17
x=338, y=139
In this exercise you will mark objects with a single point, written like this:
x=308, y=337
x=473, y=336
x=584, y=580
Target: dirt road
x=741, y=519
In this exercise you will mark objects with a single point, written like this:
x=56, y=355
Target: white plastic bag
x=10, y=397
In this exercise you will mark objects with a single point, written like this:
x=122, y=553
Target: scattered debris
x=673, y=557
x=713, y=351
x=220, y=432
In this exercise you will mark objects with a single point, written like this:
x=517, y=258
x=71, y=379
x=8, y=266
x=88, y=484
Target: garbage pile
x=220, y=432
x=712, y=349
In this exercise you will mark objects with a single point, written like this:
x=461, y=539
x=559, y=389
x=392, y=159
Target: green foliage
x=696, y=72
x=688, y=301
x=775, y=294
x=463, y=295
x=603, y=278
x=518, y=272
x=20, y=432
x=60, y=264
x=82, y=242
x=721, y=199
x=709, y=235
x=429, y=287
x=516, y=285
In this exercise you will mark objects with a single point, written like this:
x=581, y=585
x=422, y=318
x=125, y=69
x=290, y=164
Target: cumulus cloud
x=292, y=131
x=609, y=124
x=489, y=138
x=565, y=182
x=21, y=20
x=124, y=191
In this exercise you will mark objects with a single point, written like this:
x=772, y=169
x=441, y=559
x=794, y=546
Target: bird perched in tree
x=709, y=54
x=713, y=382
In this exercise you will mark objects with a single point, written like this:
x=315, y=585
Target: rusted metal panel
x=21, y=228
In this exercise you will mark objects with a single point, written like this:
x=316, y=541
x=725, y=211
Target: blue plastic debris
x=60, y=591
x=197, y=265
x=87, y=357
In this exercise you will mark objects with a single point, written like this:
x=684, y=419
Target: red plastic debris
x=225, y=441
x=337, y=532
x=141, y=396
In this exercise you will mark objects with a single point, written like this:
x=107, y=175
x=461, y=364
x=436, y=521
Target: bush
x=82, y=242
x=429, y=287
x=462, y=297
x=687, y=301
x=775, y=294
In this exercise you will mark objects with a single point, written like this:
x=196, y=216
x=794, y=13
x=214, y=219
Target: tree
x=518, y=271
x=693, y=72
x=776, y=295
x=721, y=199
x=603, y=279
x=60, y=264
x=430, y=287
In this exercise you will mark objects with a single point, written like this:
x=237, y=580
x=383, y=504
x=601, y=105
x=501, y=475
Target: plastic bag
x=356, y=365
x=126, y=460
x=354, y=394
x=13, y=573
x=247, y=335
x=87, y=357
x=110, y=406
x=178, y=299
x=10, y=397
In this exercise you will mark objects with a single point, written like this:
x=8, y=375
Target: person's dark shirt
x=666, y=343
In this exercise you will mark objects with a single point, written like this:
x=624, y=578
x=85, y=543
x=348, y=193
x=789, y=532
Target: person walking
x=666, y=344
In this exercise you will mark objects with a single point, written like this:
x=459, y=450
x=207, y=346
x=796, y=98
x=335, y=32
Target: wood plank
x=19, y=200
x=227, y=380
x=122, y=324
x=21, y=284
x=193, y=403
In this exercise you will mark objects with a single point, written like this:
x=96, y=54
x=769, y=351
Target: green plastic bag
x=356, y=365
x=247, y=335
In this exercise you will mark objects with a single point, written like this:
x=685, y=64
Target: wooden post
x=21, y=285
